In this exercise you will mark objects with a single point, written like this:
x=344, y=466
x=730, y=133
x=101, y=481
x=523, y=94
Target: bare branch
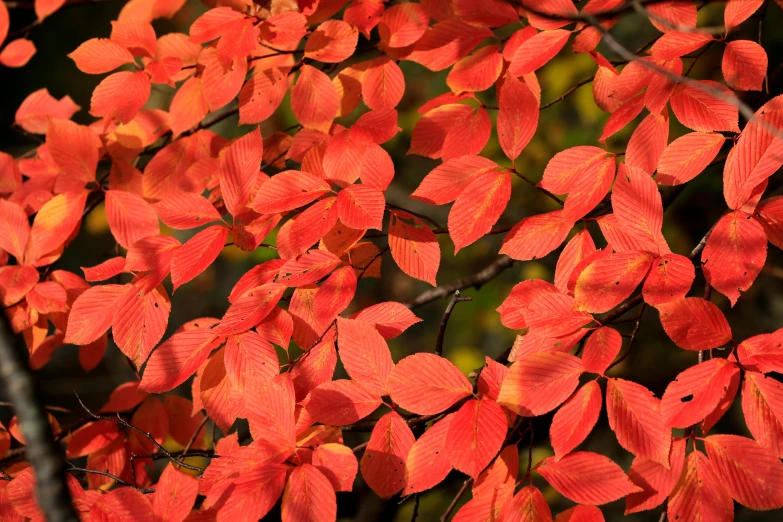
x=445, y=321
x=476, y=280
x=42, y=451
x=453, y=505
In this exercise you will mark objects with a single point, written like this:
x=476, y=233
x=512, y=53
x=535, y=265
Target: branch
x=122, y=422
x=50, y=472
x=115, y=478
x=476, y=280
x=453, y=505
x=446, y=315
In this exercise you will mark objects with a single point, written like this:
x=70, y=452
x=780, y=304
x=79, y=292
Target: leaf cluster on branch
x=315, y=194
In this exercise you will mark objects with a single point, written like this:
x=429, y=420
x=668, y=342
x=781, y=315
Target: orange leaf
x=587, y=478
x=694, y=323
x=100, y=55
x=426, y=384
x=428, y=464
x=383, y=463
x=414, y=246
x=575, y=419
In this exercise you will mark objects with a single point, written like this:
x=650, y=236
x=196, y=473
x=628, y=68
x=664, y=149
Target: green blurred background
x=475, y=329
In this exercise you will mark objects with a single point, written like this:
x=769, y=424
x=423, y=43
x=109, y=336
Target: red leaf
x=414, y=246
x=428, y=463
x=670, y=278
x=587, y=478
x=528, y=505
x=446, y=182
x=446, y=42
x=540, y=382
x=307, y=268
x=314, y=99
x=74, y=148
x=522, y=296
x=578, y=247
x=175, y=494
x=696, y=392
x=130, y=217
x=333, y=41
x=737, y=11
x=581, y=514
x=476, y=72
x=338, y=464
x=261, y=95
x=553, y=315
x=770, y=215
x=518, y=116
x=250, y=309
x=467, y=135
x=536, y=236
x=254, y=493
x=15, y=229
x=197, y=254
x=426, y=384
x=502, y=472
x=361, y=207
x=478, y=207
x=121, y=96
x=744, y=65
x=657, y=481
x=635, y=417
x=476, y=435
x=16, y=282
x=762, y=352
x=752, y=474
x=341, y=402
x=694, y=323
x=638, y=208
x=140, y=320
x=674, y=44
x=402, y=24
x=308, y=496
x=534, y=53
x=249, y=357
x=600, y=350
x=589, y=190
x=288, y=190
x=724, y=404
x=575, y=419
x=185, y=210
x=239, y=171
x=567, y=166
x=389, y=318
x=755, y=156
x=33, y=113
x=92, y=312
x=364, y=354
x=666, y=16
x=177, y=359
x=383, y=463
x=383, y=84
x=270, y=412
x=762, y=400
x=699, y=494
x=100, y=55
x=622, y=116
x=429, y=133
x=735, y=253
x=705, y=111
x=608, y=281
x=648, y=142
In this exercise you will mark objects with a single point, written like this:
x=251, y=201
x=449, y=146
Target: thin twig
x=631, y=340
x=476, y=280
x=122, y=422
x=455, y=501
x=445, y=320
x=115, y=478
x=566, y=94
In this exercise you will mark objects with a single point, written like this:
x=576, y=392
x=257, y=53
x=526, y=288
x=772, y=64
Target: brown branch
x=50, y=472
x=476, y=280
x=566, y=94
x=453, y=505
x=115, y=478
x=445, y=320
x=122, y=422
x=631, y=340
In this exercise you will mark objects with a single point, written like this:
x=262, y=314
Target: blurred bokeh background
x=475, y=330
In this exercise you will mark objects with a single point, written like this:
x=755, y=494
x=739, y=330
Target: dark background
x=475, y=329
